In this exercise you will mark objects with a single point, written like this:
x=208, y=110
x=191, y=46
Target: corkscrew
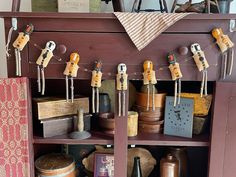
x=176, y=75
x=19, y=44
x=42, y=62
x=149, y=79
x=121, y=86
x=227, y=50
x=71, y=72
x=202, y=65
x=96, y=84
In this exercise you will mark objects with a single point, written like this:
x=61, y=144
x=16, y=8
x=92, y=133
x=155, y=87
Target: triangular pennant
x=142, y=28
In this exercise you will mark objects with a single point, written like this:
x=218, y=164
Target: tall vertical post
x=15, y=5
x=118, y=5
x=121, y=138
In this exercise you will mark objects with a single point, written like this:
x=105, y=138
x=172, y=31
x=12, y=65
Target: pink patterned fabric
x=14, y=144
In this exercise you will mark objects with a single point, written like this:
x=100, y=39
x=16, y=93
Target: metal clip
x=232, y=26
x=14, y=23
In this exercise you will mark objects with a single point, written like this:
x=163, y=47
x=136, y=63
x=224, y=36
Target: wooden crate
x=48, y=107
x=60, y=125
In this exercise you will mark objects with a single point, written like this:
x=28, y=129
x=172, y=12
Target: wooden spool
x=132, y=123
x=56, y=165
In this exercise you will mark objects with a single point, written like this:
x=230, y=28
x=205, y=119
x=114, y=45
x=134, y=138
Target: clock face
x=179, y=119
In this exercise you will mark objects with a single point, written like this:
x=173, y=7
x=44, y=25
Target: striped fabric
x=142, y=28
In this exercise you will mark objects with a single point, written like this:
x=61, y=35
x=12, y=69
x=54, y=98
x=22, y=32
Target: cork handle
x=80, y=120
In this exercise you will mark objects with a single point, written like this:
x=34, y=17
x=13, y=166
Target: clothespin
x=19, y=44
x=121, y=86
x=227, y=50
x=42, y=62
x=176, y=75
x=96, y=84
x=149, y=79
x=202, y=65
x=71, y=72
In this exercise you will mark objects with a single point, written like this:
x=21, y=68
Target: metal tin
x=169, y=166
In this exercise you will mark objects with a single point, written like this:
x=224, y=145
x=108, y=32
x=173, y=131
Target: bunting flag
x=142, y=28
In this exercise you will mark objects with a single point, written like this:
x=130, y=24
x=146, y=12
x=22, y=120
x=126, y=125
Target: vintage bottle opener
x=42, y=62
x=121, y=86
x=96, y=84
x=149, y=79
x=176, y=75
x=71, y=72
x=202, y=65
x=226, y=47
x=19, y=44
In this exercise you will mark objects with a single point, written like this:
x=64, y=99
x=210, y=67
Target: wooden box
x=48, y=107
x=61, y=125
x=201, y=104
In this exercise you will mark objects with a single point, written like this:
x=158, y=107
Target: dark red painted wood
x=230, y=140
x=106, y=15
x=92, y=46
x=223, y=133
x=30, y=129
x=108, y=22
x=121, y=139
x=96, y=138
x=165, y=140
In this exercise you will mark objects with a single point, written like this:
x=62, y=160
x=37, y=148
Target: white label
x=73, y=5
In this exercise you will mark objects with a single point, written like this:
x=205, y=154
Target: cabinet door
x=15, y=139
x=223, y=140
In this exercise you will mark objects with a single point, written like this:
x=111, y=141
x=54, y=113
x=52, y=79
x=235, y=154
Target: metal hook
x=232, y=26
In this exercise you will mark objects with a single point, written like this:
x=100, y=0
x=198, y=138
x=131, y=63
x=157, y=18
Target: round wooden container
x=56, y=165
x=107, y=121
x=159, y=99
x=150, y=116
x=150, y=127
x=132, y=123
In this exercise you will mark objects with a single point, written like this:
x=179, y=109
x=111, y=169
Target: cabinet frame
x=107, y=23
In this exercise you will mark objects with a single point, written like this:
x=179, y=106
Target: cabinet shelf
x=165, y=140
x=96, y=138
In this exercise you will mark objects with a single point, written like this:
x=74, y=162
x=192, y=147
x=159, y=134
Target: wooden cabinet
x=223, y=143
x=101, y=36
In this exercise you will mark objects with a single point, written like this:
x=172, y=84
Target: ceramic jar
x=169, y=166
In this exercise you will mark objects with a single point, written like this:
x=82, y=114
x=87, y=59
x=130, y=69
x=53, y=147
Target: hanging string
x=183, y=61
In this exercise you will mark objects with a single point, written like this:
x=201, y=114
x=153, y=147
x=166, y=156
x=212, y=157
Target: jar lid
x=54, y=161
